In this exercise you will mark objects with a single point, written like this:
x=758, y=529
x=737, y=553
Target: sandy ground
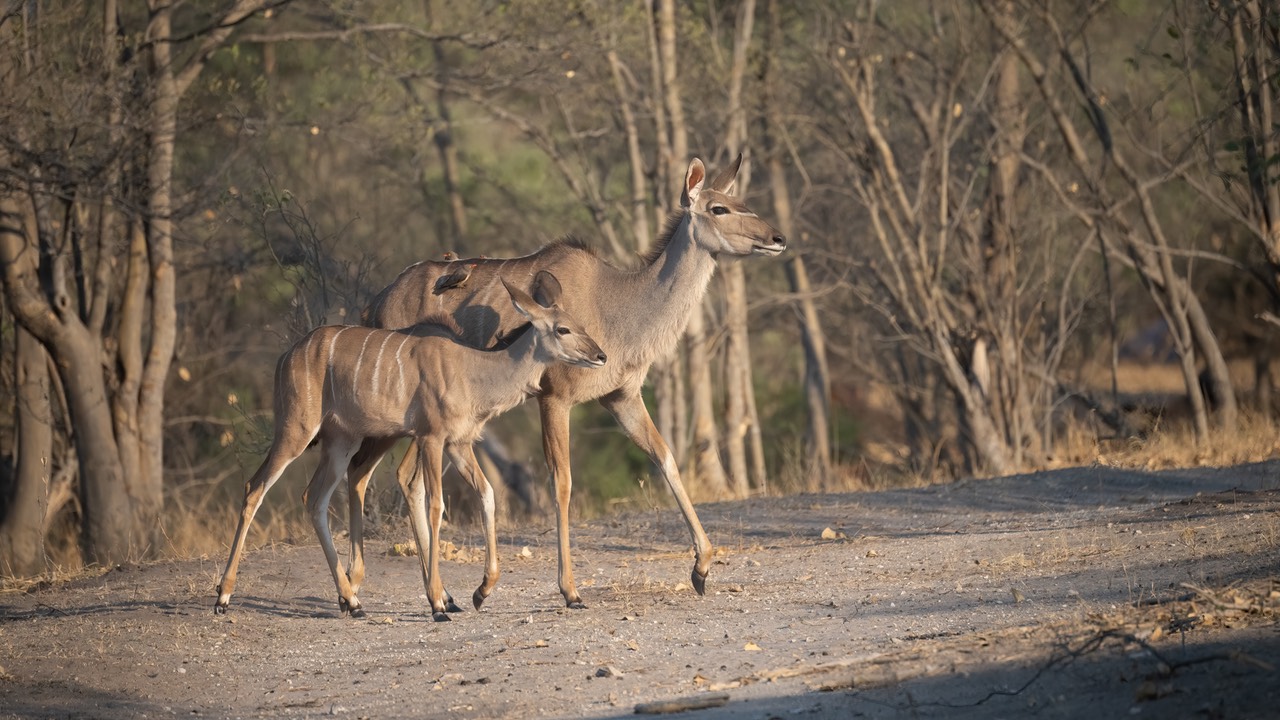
x=1091, y=592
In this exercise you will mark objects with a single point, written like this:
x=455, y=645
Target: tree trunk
x=817, y=383
x=737, y=371
x=737, y=378
x=108, y=506
x=1221, y=387
x=22, y=527
x=709, y=474
x=1263, y=381
x=163, y=126
x=445, y=145
x=663, y=380
x=130, y=343
x=992, y=450
x=759, y=472
x=997, y=288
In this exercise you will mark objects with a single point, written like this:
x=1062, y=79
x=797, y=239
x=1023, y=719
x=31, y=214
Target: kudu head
x=559, y=336
x=719, y=222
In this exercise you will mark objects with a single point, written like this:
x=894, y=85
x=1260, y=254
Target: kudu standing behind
x=636, y=315
x=342, y=384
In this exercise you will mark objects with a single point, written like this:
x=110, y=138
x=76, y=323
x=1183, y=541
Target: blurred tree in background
x=989, y=204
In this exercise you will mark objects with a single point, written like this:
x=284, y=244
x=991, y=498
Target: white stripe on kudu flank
x=355, y=379
x=333, y=344
x=400, y=364
x=377, y=363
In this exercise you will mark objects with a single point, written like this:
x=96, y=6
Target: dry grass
x=190, y=532
x=57, y=574
x=1255, y=440
x=1155, y=393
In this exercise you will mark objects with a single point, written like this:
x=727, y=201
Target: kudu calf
x=636, y=315
x=342, y=384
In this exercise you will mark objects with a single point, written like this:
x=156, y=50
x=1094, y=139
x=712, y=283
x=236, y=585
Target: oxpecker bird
x=455, y=279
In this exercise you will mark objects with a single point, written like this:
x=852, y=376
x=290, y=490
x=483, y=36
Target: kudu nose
x=601, y=357
x=780, y=241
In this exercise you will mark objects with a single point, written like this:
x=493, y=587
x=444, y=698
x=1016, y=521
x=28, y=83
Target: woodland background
x=1023, y=234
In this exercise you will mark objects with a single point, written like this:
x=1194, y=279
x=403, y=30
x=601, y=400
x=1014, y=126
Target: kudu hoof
x=451, y=606
x=477, y=598
x=699, y=581
x=439, y=616
x=219, y=608
x=576, y=605
x=351, y=608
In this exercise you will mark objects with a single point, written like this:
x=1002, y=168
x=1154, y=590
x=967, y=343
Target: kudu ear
x=692, y=183
x=724, y=180
x=525, y=305
x=546, y=289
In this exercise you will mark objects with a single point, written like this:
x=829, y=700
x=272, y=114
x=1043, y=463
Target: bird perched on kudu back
x=455, y=279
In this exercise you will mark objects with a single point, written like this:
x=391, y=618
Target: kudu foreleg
x=423, y=492
x=409, y=465
x=629, y=410
x=555, y=445
x=463, y=457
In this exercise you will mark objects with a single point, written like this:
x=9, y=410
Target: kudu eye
x=562, y=330
x=719, y=210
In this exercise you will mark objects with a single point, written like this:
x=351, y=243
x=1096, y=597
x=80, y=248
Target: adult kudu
x=342, y=384
x=637, y=316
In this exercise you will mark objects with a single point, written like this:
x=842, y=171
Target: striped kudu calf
x=342, y=384
x=636, y=315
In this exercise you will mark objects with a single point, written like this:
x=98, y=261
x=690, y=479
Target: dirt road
x=1089, y=592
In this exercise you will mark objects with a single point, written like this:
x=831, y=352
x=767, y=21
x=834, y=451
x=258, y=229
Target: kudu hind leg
x=629, y=410
x=555, y=445
x=464, y=458
x=273, y=466
x=366, y=460
x=317, y=496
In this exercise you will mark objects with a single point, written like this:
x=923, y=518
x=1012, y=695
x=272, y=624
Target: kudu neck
x=647, y=310
x=522, y=360
x=681, y=271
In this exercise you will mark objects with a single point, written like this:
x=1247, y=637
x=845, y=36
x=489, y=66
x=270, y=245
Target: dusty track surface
x=1086, y=592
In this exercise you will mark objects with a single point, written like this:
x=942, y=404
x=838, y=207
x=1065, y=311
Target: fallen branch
x=698, y=702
